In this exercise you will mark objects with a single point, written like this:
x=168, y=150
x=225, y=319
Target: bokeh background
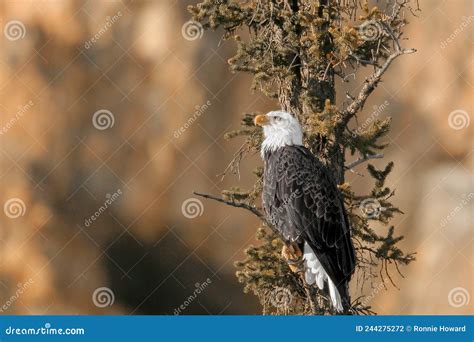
x=148, y=251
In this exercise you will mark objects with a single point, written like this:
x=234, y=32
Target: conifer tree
x=297, y=51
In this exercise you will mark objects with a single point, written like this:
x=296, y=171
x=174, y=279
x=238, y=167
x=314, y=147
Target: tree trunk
x=311, y=85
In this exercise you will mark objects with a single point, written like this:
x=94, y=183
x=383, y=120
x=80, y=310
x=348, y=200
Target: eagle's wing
x=307, y=206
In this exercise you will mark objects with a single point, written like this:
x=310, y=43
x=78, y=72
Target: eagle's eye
x=278, y=119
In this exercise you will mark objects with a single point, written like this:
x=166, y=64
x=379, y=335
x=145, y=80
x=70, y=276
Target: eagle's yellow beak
x=260, y=120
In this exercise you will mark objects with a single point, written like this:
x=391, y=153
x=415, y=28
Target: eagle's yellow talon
x=292, y=254
x=343, y=186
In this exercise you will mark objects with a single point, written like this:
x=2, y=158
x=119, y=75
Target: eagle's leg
x=293, y=256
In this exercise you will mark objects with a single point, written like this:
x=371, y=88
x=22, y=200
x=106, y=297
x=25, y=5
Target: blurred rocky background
x=113, y=112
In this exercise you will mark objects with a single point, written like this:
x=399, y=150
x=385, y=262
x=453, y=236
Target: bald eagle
x=301, y=200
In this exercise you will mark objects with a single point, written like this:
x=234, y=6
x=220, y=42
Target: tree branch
x=369, y=86
x=246, y=206
x=362, y=160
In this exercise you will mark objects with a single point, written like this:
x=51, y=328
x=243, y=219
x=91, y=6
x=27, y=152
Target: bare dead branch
x=388, y=275
x=362, y=160
x=246, y=206
x=369, y=86
x=234, y=165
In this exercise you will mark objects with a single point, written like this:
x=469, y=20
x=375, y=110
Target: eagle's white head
x=279, y=129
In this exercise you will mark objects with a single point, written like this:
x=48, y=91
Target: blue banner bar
x=236, y=328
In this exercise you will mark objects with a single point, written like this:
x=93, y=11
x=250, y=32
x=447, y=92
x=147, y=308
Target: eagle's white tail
x=315, y=273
